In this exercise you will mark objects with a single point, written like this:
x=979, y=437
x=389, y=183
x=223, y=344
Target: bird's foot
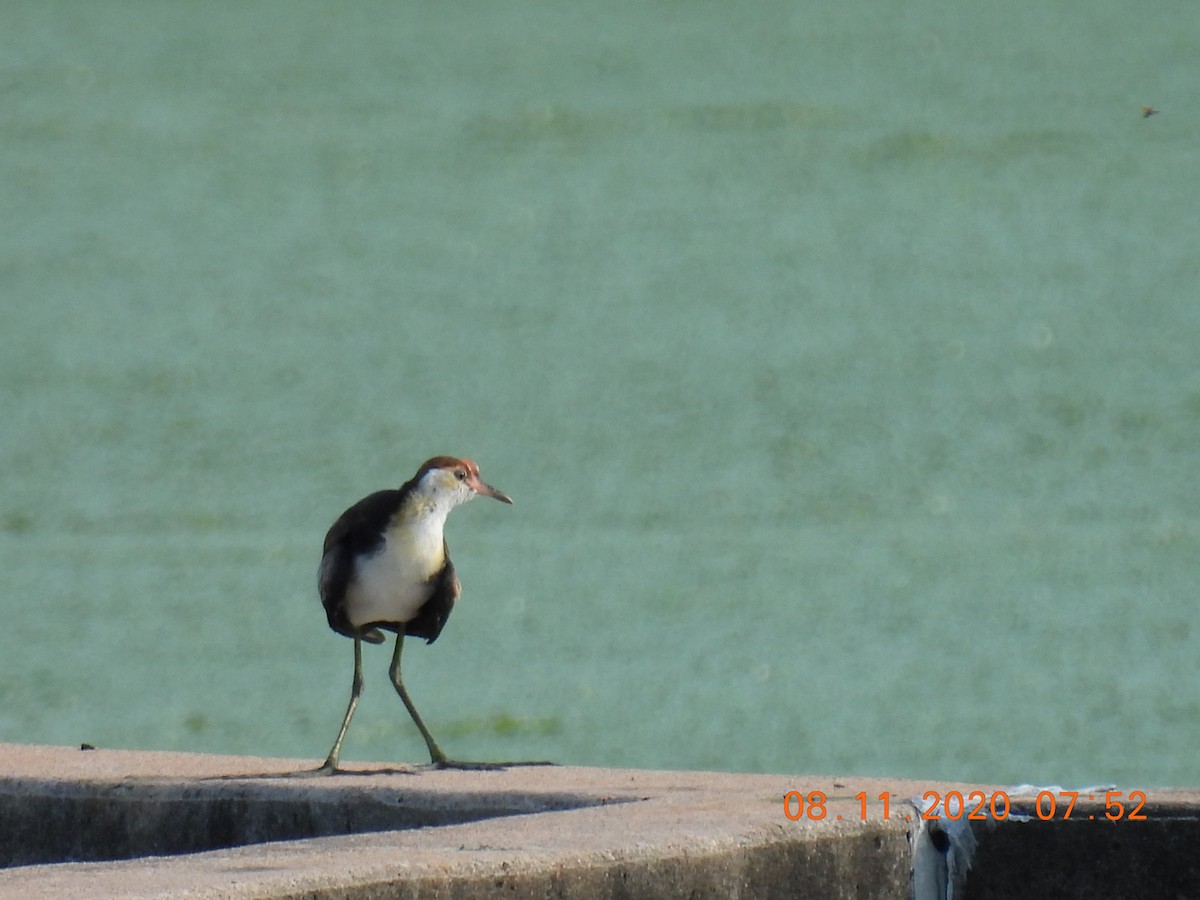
x=469, y=766
x=329, y=767
x=487, y=766
x=325, y=769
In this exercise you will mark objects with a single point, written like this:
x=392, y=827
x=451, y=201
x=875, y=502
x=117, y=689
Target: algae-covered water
x=841, y=360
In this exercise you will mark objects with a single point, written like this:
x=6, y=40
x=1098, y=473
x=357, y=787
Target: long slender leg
x=436, y=756
x=356, y=686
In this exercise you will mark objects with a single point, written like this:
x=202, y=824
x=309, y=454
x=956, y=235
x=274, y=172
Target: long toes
x=468, y=766
x=314, y=773
x=489, y=766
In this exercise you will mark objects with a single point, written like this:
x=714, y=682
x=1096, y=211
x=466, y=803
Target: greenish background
x=841, y=359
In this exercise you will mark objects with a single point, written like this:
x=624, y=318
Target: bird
x=385, y=566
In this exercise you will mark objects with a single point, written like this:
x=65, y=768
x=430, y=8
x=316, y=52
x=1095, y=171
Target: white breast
x=392, y=585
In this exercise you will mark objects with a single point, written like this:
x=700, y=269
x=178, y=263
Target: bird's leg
x=436, y=756
x=356, y=686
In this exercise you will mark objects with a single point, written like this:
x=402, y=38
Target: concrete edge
x=649, y=833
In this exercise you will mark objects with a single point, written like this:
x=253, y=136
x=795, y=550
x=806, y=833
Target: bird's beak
x=487, y=490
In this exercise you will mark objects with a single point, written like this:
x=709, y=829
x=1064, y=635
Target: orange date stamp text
x=979, y=806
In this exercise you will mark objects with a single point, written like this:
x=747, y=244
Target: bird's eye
x=460, y=474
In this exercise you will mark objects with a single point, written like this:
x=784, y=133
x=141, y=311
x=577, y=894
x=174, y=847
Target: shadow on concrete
x=55, y=821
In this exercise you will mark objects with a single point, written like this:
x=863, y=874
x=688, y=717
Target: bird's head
x=454, y=481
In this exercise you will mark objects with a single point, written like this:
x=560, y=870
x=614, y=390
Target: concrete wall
x=117, y=823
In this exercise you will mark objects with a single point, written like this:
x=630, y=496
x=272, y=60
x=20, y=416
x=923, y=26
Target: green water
x=841, y=360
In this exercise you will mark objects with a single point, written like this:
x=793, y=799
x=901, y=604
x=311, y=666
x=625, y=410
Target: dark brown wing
x=431, y=618
x=357, y=532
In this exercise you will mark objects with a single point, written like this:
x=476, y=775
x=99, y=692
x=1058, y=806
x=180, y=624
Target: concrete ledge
x=173, y=824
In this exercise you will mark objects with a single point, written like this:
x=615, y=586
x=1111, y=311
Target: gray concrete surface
x=105, y=823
